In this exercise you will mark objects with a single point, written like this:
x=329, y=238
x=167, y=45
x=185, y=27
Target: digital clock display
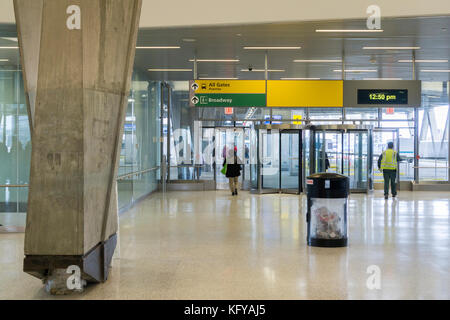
x=388, y=96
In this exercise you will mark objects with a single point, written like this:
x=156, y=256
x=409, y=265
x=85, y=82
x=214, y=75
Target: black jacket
x=234, y=169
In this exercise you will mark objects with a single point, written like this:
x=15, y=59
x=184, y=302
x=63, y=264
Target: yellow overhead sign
x=228, y=86
x=305, y=93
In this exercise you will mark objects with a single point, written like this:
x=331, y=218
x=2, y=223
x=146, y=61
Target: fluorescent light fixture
x=218, y=78
x=263, y=70
x=10, y=39
x=159, y=47
x=299, y=78
x=215, y=60
x=356, y=70
x=9, y=47
x=349, y=30
x=4, y=60
x=272, y=48
x=391, y=48
x=382, y=79
x=435, y=70
x=170, y=70
x=317, y=60
x=424, y=61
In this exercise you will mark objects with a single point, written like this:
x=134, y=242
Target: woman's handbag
x=224, y=169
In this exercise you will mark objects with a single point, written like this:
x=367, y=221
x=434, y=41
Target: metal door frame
x=342, y=129
x=282, y=128
x=322, y=151
x=369, y=164
x=396, y=132
x=165, y=158
x=243, y=187
x=300, y=161
x=260, y=189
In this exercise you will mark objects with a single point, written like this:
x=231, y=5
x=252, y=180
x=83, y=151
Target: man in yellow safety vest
x=388, y=164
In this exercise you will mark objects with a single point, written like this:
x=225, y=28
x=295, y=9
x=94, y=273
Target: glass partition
x=290, y=160
x=15, y=140
x=269, y=155
x=356, y=157
x=434, y=132
x=139, y=157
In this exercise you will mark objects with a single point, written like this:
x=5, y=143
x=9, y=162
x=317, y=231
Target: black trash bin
x=327, y=210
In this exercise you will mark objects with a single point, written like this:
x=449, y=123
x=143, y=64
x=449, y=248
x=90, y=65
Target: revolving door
x=343, y=149
x=277, y=166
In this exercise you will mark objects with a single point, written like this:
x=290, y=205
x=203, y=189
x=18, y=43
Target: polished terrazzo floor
x=209, y=245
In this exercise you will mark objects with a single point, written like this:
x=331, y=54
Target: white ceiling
x=432, y=34
x=170, y=13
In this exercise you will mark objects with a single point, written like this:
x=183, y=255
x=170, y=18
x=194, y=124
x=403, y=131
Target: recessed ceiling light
x=349, y=30
x=10, y=38
x=299, y=78
x=272, y=48
x=425, y=70
x=424, y=61
x=391, y=48
x=9, y=47
x=215, y=60
x=169, y=70
x=225, y=78
x=239, y=34
x=263, y=70
x=4, y=60
x=159, y=47
x=317, y=60
x=356, y=70
x=382, y=79
x=189, y=40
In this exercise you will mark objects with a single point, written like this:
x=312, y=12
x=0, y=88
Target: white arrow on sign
x=194, y=100
x=194, y=86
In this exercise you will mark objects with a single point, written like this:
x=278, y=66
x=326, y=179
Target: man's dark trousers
x=390, y=175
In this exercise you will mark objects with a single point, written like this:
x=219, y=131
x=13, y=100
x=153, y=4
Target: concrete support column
x=77, y=58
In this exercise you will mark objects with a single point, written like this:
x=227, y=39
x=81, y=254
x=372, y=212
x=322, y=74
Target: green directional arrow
x=231, y=100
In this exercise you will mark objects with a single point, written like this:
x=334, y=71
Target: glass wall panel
x=139, y=160
x=15, y=141
x=139, y=156
x=433, y=132
x=182, y=130
x=361, y=114
x=208, y=149
x=402, y=119
x=323, y=114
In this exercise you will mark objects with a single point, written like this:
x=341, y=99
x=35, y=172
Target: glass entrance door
x=228, y=139
x=269, y=159
x=290, y=158
x=381, y=137
x=356, y=160
x=343, y=150
x=328, y=151
x=279, y=161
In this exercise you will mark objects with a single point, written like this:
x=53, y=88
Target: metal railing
x=119, y=178
x=14, y=185
x=136, y=173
